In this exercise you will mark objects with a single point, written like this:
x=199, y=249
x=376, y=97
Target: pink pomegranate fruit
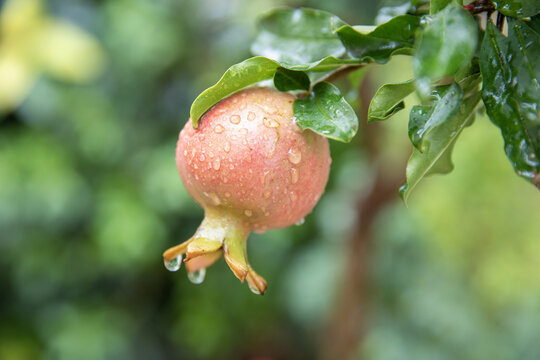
x=252, y=169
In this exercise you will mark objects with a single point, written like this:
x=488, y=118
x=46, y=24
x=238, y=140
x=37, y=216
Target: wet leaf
x=518, y=8
x=446, y=45
x=437, y=5
x=250, y=72
x=286, y=80
x=392, y=8
x=327, y=113
x=388, y=100
x=511, y=93
x=238, y=76
x=391, y=38
x=444, y=104
x=438, y=145
x=298, y=36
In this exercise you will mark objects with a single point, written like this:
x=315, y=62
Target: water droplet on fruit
x=295, y=156
x=215, y=199
x=293, y=196
x=251, y=116
x=294, y=175
x=174, y=264
x=197, y=277
x=248, y=212
x=216, y=164
x=219, y=129
x=211, y=154
x=270, y=123
x=185, y=152
x=300, y=222
x=202, y=157
x=235, y=119
x=231, y=167
x=227, y=146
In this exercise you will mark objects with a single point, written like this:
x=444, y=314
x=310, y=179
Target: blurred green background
x=92, y=96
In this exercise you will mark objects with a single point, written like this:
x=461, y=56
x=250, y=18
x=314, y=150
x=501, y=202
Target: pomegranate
x=252, y=169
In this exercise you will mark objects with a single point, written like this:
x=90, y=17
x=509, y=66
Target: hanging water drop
x=300, y=222
x=174, y=264
x=197, y=277
x=254, y=290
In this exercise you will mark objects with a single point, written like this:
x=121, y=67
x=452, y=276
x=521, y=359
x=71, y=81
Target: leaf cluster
x=460, y=64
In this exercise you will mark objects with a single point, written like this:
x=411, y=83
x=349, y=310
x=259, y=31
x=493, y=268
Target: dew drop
x=294, y=175
x=270, y=123
x=227, y=146
x=235, y=119
x=300, y=222
x=185, y=152
x=248, y=213
x=251, y=116
x=211, y=154
x=174, y=264
x=295, y=156
x=215, y=199
x=219, y=129
x=202, y=157
x=253, y=289
x=197, y=277
x=216, y=164
x=231, y=166
x=293, y=196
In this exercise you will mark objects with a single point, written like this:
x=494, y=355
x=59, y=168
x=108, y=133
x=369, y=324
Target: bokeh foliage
x=90, y=197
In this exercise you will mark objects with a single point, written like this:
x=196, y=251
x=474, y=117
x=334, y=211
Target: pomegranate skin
x=248, y=158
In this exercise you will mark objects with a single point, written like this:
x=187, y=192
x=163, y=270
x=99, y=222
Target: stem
x=479, y=6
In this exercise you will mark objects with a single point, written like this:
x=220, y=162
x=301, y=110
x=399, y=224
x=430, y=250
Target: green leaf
x=444, y=104
x=388, y=100
x=438, y=5
x=534, y=23
x=237, y=77
x=438, y=145
x=446, y=45
x=392, y=8
x=298, y=36
x=287, y=80
x=518, y=8
x=327, y=113
x=391, y=38
x=511, y=93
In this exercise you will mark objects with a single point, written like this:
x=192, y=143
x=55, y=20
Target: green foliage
x=299, y=36
x=518, y=8
x=511, y=92
x=327, y=113
x=445, y=45
x=391, y=38
x=388, y=100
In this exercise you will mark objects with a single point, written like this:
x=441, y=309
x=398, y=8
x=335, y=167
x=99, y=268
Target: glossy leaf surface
x=388, y=100
x=287, y=80
x=391, y=38
x=423, y=118
x=447, y=44
x=327, y=113
x=518, y=8
x=298, y=36
x=511, y=93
